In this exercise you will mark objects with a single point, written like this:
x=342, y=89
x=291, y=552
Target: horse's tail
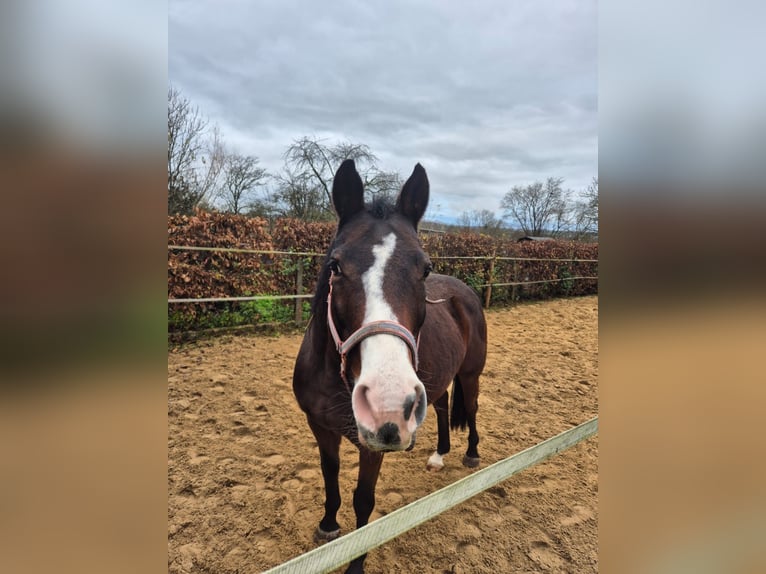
x=459, y=416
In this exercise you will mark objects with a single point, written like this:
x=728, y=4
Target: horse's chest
x=325, y=402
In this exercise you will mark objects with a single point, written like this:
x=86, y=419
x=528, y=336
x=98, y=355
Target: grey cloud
x=486, y=94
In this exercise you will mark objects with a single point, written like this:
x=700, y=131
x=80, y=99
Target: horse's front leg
x=441, y=406
x=364, y=496
x=329, y=455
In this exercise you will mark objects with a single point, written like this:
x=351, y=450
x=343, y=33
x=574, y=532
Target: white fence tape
x=534, y=282
x=341, y=551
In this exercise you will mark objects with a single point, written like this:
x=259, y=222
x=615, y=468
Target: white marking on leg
x=435, y=461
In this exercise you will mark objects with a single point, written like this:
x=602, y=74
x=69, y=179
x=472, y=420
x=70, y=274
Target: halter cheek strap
x=367, y=330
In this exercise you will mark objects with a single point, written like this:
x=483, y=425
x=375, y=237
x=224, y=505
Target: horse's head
x=376, y=270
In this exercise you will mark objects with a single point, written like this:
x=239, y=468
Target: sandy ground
x=245, y=490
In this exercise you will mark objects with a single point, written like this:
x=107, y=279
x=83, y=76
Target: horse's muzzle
x=386, y=439
x=388, y=428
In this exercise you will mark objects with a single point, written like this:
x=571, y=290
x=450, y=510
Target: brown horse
x=386, y=338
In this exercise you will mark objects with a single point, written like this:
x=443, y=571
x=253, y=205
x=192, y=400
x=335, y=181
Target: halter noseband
x=366, y=330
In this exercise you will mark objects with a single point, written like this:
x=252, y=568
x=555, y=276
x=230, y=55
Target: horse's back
x=454, y=335
x=463, y=302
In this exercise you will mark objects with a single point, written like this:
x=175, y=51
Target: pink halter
x=366, y=330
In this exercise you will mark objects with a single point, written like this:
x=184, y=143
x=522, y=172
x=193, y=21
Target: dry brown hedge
x=195, y=274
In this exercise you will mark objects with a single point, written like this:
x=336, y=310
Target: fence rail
x=283, y=297
x=317, y=254
x=341, y=551
x=520, y=275
x=503, y=258
x=238, y=250
x=517, y=283
x=253, y=298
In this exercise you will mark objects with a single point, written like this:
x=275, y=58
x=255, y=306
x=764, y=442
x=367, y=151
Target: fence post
x=490, y=277
x=299, y=291
x=515, y=279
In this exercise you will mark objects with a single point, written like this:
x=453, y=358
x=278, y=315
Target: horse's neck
x=321, y=340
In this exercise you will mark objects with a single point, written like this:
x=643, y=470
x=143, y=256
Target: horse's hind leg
x=470, y=387
x=329, y=454
x=441, y=406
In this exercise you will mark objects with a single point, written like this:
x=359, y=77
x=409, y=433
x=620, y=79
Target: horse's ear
x=347, y=191
x=413, y=199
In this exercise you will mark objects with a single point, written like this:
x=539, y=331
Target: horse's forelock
x=381, y=208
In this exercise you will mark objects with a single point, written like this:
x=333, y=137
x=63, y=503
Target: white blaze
x=386, y=363
x=376, y=306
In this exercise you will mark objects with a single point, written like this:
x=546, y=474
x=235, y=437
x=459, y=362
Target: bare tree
x=240, y=179
x=383, y=185
x=212, y=162
x=310, y=164
x=539, y=208
x=317, y=161
x=483, y=221
x=586, y=212
x=195, y=155
x=299, y=195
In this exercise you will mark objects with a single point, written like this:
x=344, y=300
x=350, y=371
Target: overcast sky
x=485, y=94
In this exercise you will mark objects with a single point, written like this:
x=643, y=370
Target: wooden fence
x=342, y=550
x=498, y=279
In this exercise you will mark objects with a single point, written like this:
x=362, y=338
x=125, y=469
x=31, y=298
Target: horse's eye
x=334, y=266
x=428, y=270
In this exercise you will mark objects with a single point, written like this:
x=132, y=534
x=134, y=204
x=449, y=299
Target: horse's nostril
x=409, y=404
x=360, y=403
x=420, y=406
x=417, y=401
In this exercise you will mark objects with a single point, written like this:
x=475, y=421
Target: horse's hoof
x=471, y=461
x=322, y=536
x=412, y=443
x=435, y=462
